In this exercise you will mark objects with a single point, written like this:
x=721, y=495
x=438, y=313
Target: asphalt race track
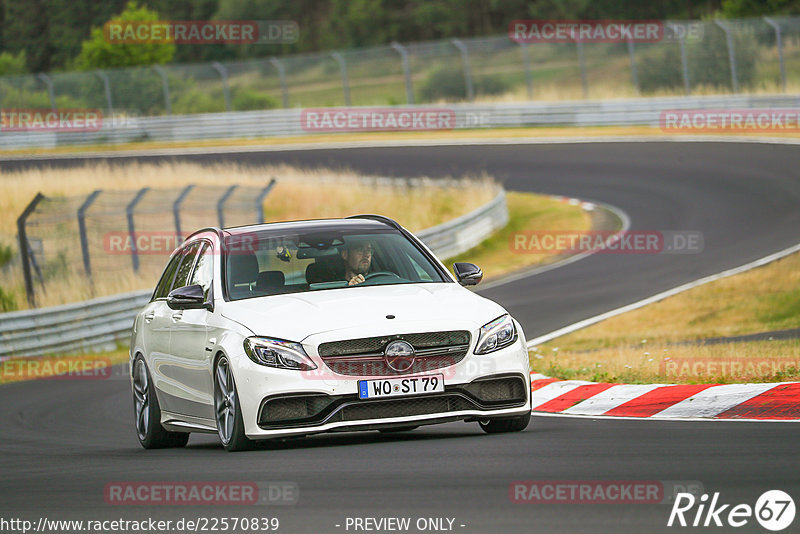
x=64, y=441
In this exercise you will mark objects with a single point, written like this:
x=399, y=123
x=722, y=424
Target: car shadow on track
x=346, y=439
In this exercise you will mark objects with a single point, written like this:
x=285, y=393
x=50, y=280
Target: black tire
x=227, y=410
x=398, y=429
x=147, y=413
x=512, y=424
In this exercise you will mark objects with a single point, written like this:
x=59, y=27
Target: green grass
x=526, y=211
x=760, y=300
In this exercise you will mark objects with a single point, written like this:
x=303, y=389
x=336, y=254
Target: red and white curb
x=776, y=401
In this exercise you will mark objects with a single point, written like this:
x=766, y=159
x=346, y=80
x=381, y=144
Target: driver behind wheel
x=357, y=258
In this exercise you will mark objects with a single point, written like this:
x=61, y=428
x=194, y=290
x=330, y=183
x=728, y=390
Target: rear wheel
x=512, y=424
x=230, y=425
x=148, y=414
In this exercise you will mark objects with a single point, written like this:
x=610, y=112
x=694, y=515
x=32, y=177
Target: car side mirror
x=187, y=298
x=467, y=274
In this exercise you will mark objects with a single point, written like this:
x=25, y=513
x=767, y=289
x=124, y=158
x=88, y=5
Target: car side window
x=165, y=283
x=203, y=272
x=184, y=270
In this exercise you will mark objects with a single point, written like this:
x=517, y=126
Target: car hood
x=318, y=316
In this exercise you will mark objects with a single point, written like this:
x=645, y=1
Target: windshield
x=262, y=263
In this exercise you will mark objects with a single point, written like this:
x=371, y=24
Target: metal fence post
x=406, y=71
x=50, y=91
x=164, y=88
x=132, y=229
x=634, y=75
x=345, y=82
x=731, y=54
x=221, y=205
x=467, y=70
x=582, y=63
x=25, y=248
x=684, y=60
x=527, y=63
x=226, y=91
x=176, y=212
x=87, y=264
x=779, y=45
x=282, y=74
x=107, y=87
x=260, y=200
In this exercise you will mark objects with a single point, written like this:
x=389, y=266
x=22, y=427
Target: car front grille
x=305, y=410
x=364, y=356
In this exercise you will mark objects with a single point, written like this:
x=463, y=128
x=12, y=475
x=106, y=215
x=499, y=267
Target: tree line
x=52, y=35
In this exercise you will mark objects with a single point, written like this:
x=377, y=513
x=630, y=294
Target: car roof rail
x=379, y=218
x=214, y=229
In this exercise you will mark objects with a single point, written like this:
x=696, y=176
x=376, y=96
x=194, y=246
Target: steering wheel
x=376, y=274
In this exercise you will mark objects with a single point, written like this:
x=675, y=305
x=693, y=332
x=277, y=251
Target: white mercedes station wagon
x=294, y=328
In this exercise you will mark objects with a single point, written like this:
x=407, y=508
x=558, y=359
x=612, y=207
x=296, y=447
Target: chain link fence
x=107, y=237
x=732, y=56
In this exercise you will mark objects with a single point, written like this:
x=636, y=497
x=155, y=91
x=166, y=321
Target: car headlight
x=496, y=334
x=278, y=353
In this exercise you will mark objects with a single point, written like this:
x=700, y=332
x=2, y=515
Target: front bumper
x=278, y=403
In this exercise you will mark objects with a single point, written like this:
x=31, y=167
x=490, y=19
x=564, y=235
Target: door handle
x=176, y=316
x=149, y=316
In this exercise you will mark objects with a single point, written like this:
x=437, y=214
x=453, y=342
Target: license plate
x=395, y=387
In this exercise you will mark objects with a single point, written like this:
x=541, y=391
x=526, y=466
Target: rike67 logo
x=774, y=510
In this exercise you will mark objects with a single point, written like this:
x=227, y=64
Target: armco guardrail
x=459, y=235
x=95, y=324
x=281, y=123
x=102, y=323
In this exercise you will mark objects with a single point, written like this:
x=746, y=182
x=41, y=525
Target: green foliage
x=6, y=255
x=197, y=101
x=708, y=63
x=7, y=301
x=51, y=32
x=491, y=85
x=757, y=8
x=98, y=53
x=443, y=83
x=246, y=100
x=13, y=63
x=447, y=83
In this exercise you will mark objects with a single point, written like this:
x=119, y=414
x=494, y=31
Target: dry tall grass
x=763, y=299
x=648, y=363
x=298, y=194
x=635, y=346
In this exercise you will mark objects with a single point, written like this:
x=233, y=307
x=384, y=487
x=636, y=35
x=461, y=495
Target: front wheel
x=148, y=414
x=512, y=424
x=230, y=425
